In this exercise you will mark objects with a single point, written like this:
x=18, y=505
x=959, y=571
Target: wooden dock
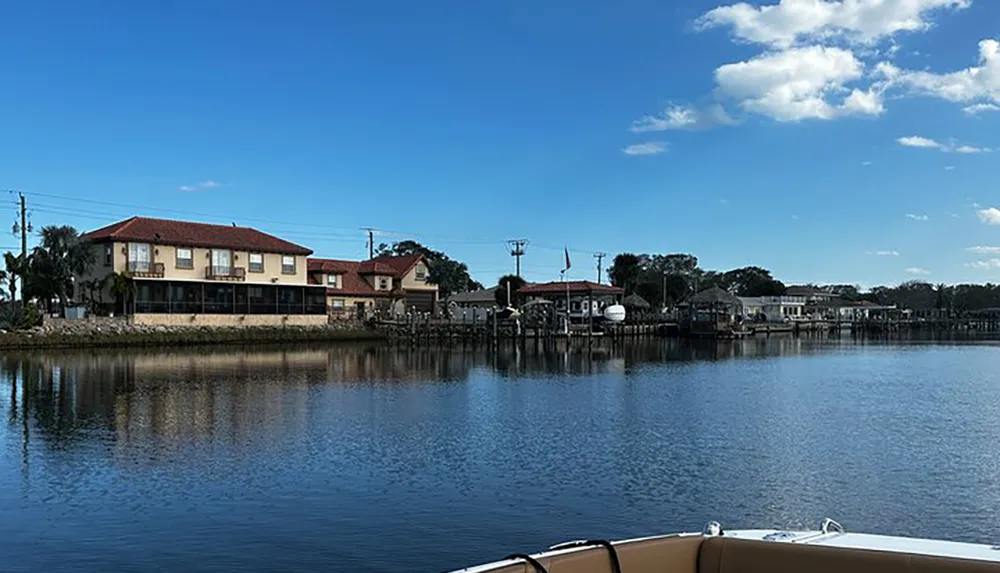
x=427, y=329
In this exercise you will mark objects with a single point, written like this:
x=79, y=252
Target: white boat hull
x=831, y=535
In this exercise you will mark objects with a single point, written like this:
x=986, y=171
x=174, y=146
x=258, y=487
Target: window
x=222, y=262
x=288, y=265
x=383, y=283
x=108, y=255
x=256, y=263
x=185, y=259
x=333, y=281
x=421, y=273
x=337, y=304
x=139, y=257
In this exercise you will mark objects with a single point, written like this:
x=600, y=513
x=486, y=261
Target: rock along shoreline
x=118, y=333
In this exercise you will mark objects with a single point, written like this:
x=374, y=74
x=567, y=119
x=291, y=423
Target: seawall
x=119, y=332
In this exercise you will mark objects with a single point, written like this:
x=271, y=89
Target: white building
x=774, y=308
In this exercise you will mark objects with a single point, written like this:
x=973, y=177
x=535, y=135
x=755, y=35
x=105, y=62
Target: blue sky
x=828, y=141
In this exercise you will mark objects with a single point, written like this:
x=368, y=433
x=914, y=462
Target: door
x=359, y=310
x=222, y=262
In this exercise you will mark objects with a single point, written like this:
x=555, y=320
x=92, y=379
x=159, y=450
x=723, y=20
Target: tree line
x=672, y=278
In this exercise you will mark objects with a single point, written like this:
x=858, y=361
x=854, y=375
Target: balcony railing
x=225, y=273
x=145, y=269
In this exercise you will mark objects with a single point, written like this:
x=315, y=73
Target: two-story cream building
x=397, y=284
x=188, y=273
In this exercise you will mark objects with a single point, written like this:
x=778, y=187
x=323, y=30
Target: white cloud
x=980, y=108
x=971, y=149
x=927, y=143
x=866, y=163
x=918, y=271
x=791, y=21
x=985, y=265
x=990, y=216
x=798, y=84
x=949, y=167
x=922, y=142
x=884, y=253
x=976, y=85
x=917, y=217
x=984, y=250
x=683, y=117
x=648, y=148
x=209, y=184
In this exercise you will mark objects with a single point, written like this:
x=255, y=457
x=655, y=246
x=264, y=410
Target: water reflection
x=276, y=459
x=186, y=394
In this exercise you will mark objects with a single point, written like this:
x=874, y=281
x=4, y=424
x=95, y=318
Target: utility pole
x=600, y=265
x=24, y=230
x=371, y=242
x=517, y=251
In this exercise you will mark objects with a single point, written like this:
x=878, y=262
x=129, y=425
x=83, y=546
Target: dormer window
x=383, y=283
x=421, y=273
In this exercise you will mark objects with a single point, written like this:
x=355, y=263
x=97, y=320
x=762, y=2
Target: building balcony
x=214, y=273
x=145, y=270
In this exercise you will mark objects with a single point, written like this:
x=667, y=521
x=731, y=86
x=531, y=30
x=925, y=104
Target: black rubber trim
x=539, y=568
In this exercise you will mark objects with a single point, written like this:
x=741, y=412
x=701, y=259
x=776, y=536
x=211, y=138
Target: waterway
x=368, y=458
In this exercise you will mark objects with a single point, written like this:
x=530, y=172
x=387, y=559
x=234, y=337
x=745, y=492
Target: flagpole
x=565, y=274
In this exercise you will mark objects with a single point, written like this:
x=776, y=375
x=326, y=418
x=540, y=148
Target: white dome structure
x=615, y=313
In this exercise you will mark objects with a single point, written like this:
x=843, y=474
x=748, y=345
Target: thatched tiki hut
x=636, y=306
x=712, y=311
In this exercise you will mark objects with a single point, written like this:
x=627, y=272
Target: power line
x=68, y=210
x=295, y=230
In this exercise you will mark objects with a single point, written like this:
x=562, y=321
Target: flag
x=568, y=264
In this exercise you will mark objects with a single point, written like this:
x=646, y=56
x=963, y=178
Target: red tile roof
x=188, y=234
x=396, y=267
x=353, y=283
x=575, y=287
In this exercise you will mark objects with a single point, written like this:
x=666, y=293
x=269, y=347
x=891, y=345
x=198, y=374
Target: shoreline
x=174, y=337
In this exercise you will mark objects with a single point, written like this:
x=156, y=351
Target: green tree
x=451, y=276
x=55, y=261
x=846, y=292
x=14, y=268
x=625, y=271
x=678, y=288
x=122, y=287
x=752, y=281
x=681, y=264
x=515, y=283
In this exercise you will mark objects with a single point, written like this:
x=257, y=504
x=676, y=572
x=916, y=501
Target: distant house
x=184, y=273
x=396, y=284
x=586, y=299
x=811, y=294
x=774, y=308
x=482, y=298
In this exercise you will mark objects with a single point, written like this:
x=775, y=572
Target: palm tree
x=60, y=257
x=122, y=288
x=14, y=269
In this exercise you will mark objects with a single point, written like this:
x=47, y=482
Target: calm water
x=363, y=458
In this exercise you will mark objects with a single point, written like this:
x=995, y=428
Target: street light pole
x=664, y=307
